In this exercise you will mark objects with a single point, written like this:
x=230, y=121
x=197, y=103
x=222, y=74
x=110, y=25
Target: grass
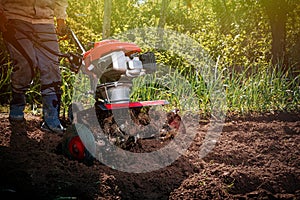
x=167, y=84
x=263, y=90
x=249, y=90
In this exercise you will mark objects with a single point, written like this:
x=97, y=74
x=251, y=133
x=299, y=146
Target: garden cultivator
x=111, y=66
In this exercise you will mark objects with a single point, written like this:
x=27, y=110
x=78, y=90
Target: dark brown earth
x=256, y=157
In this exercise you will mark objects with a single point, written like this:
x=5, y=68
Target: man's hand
x=62, y=28
x=3, y=21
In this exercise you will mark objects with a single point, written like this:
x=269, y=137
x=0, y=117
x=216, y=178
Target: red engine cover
x=107, y=46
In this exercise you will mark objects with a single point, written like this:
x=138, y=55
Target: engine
x=112, y=65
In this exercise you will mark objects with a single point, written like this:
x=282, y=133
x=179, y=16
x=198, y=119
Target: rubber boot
x=17, y=106
x=16, y=113
x=51, y=107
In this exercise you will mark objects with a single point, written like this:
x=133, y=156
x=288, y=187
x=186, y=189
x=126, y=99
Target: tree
x=163, y=13
x=277, y=12
x=162, y=21
x=223, y=15
x=107, y=19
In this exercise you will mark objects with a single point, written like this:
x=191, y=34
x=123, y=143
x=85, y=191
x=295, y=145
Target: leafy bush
x=236, y=34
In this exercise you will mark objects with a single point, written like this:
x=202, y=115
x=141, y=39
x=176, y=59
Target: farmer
x=28, y=30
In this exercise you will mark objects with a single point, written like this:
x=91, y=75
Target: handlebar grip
x=149, y=62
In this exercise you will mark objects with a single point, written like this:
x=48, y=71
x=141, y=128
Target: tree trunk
x=162, y=23
x=277, y=12
x=106, y=19
x=224, y=16
x=278, y=27
x=163, y=13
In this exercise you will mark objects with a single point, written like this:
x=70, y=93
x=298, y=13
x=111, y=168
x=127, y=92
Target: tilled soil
x=255, y=157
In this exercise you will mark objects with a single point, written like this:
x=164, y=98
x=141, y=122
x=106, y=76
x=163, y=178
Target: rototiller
x=111, y=66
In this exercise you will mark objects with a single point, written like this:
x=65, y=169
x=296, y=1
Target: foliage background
x=235, y=33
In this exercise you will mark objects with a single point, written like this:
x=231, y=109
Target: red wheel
x=76, y=148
